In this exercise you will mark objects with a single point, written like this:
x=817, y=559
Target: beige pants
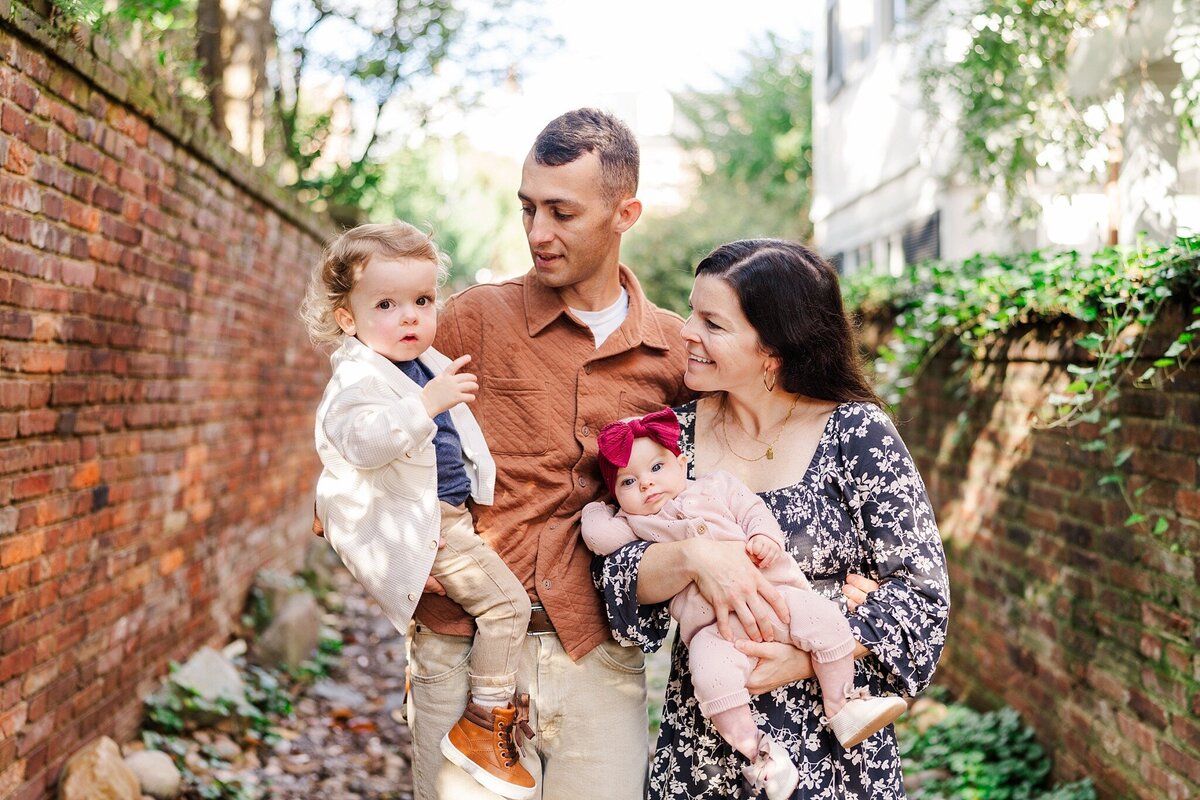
x=589, y=717
x=479, y=581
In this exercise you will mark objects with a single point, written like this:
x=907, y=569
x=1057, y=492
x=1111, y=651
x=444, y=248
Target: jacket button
x=586, y=431
x=587, y=368
x=679, y=516
x=583, y=481
x=702, y=528
x=547, y=584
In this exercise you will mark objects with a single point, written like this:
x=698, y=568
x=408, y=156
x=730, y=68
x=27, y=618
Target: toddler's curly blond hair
x=343, y=262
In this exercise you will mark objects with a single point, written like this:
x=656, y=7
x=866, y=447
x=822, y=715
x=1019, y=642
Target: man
x=559, y=352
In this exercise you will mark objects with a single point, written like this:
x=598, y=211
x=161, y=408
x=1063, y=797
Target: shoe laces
x=511, y=734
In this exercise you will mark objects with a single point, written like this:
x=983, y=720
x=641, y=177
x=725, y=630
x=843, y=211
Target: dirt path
x=346, y=739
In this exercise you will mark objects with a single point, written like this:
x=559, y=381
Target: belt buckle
x=537, y=609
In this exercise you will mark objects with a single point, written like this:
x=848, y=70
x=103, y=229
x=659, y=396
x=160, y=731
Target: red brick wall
x=156, y=393
x=1090, y=629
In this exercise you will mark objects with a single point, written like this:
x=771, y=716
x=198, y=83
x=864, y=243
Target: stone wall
x=156, y=391
x=1087, y=627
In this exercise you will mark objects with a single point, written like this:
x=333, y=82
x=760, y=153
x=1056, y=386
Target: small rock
x=323, y=564
x=156, y=773
x=226, y=748
x=925, y=713
x=212, y=676
x=196, y=762
x=276, y=587
x=97, y=772
x=338, y=694
x=293, y=633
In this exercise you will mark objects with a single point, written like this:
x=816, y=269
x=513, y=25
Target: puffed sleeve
x=632, y=624
x=903, y=623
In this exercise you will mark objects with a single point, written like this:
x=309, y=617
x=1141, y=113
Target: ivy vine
x=1007, y=76
x=1118, y=294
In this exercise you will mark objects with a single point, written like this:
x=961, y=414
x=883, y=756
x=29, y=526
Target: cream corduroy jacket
x=377, y=494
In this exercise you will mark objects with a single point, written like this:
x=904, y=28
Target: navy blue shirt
x=454, y=487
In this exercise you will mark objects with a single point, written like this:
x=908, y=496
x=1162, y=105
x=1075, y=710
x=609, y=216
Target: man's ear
x=345, y=320
x=626, y=213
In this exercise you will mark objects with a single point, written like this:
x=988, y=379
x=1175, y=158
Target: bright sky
x=615, y=50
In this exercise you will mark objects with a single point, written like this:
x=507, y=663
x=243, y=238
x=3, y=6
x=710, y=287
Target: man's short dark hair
x=589, y=130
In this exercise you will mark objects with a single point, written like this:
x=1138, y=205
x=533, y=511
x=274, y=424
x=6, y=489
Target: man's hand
x=763, y=550
x=450, y=388
x=732, y=584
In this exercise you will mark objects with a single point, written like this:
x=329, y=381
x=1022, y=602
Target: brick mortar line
x=35, y=29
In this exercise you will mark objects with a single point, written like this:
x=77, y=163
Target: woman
x=786, y=408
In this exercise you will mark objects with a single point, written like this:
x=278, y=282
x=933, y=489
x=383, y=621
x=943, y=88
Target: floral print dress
x=860, y=507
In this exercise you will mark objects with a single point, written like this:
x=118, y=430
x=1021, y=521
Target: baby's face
x=653, y=476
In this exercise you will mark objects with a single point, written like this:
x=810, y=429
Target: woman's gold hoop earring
x=768, y=372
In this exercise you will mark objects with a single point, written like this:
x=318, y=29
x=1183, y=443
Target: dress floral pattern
x=860, y=507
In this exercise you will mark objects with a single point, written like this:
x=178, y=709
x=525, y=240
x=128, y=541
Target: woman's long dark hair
x=792, y=298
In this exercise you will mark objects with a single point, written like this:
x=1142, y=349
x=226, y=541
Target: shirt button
x=587, y=368
x=547, y=584
x=553, y=525
x=412, y=597
x=433, y=545
x=702, y=528
x=583, y=481
x=586, y=431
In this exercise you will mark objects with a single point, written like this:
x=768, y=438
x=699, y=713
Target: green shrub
x=974, y=756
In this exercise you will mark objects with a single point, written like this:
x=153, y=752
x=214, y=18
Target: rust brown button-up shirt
x=545, y=391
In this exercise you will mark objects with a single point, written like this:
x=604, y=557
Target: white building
x=884, y=189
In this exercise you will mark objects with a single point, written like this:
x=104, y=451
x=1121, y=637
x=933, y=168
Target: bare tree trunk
x=235, y=39
x=209, y=24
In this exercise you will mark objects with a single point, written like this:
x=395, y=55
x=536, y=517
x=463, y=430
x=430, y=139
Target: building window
x=837, y=261
x=892, y=15
x=833, y=48
x=921, y=239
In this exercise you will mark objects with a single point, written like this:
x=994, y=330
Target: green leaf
x=1122, y=456
x=1134, y=519
x=1161, y=526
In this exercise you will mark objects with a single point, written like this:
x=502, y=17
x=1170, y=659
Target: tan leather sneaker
x=485, y=744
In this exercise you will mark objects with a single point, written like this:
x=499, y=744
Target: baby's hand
x=450, y=388
x=763, y=550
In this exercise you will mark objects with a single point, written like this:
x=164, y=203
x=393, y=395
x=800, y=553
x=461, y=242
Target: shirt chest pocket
x=513, y=413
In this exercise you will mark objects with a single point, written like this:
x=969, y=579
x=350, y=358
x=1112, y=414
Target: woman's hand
x=730, y=582
x=856, y=588
x=778, y=665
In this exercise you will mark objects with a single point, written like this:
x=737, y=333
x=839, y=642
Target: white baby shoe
x=772, y=770
x=863, y=716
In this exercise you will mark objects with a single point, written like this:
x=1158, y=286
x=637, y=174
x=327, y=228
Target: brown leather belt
x=539, y=621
